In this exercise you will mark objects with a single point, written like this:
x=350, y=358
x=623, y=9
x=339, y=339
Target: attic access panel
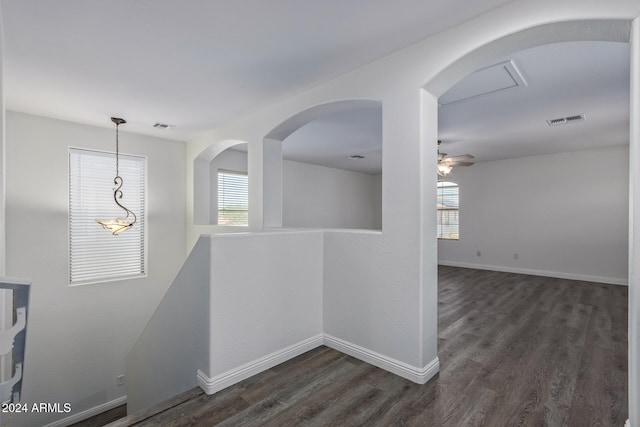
x=485, y=81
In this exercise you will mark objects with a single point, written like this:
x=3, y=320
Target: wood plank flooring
x=104, y=418
x=514, y=350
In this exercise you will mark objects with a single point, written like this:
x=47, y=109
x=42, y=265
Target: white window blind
x=96, y=255
x=233, y=198
x=448, y=210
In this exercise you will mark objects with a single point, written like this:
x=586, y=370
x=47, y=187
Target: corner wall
x=265, y=314
x=398, y=282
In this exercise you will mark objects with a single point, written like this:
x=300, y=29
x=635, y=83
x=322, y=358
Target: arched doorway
x=601, y=30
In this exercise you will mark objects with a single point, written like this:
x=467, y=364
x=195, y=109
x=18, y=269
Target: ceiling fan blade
x=463, y=157
x=460, y=163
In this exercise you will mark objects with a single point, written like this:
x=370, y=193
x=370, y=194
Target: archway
x=600, y=30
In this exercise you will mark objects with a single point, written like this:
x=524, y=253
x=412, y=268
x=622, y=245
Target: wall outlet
x=120, y=380
x=516, y=256
x=478, y=253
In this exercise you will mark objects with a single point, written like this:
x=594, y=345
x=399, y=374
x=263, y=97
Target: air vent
x=565, y=120
x=163, y=126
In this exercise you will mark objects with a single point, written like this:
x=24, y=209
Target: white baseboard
x=229, y=378
x=417, y=375
x=88, y=413
x=233, y=376
x=556, y=274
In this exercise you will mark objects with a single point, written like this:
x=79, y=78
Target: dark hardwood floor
x=514, y=350
x=104, y=418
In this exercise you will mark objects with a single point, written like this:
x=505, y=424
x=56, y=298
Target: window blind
x=95, y=255
x=448, y=210
x=233, y=198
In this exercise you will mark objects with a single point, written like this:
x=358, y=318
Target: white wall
x=79, y=337
x=322, y=197
x=565, y=215
x=266, y=295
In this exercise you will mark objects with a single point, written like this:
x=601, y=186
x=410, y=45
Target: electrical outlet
x=478, y=253
x=516, y=256
x=120, y=380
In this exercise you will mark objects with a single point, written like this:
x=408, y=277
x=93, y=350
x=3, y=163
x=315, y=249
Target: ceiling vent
x=565, y=120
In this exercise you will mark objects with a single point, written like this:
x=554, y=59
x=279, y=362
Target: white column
x=272, y=183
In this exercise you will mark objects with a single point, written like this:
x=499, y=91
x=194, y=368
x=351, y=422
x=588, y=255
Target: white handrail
x=7, y=336
x=6, y=388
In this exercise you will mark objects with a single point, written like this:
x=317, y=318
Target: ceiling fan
x=445, y=163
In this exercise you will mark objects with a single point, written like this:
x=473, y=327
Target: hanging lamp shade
x=120, y=224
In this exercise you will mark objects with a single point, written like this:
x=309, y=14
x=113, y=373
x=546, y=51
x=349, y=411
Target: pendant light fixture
x=118, y=225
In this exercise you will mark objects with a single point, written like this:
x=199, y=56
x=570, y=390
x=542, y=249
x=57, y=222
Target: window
x=233, y=198
x=95, y=255
x=448, y=221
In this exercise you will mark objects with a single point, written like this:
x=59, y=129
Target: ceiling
x=196, y=64
x=499, y=112
x=350, y=140
x=555, y=81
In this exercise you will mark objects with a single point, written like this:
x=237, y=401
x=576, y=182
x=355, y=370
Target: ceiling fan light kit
x=444, y=169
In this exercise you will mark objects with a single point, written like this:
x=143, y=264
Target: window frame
x=440, y=227
x=140, y=211
x=219, y=207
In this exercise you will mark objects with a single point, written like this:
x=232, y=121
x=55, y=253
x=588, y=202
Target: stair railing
x=15, y=302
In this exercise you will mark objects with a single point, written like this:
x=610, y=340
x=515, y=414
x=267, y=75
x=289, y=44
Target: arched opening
x=220, y=184
x=494, y=53
x=541, y=122
x=331, y=167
